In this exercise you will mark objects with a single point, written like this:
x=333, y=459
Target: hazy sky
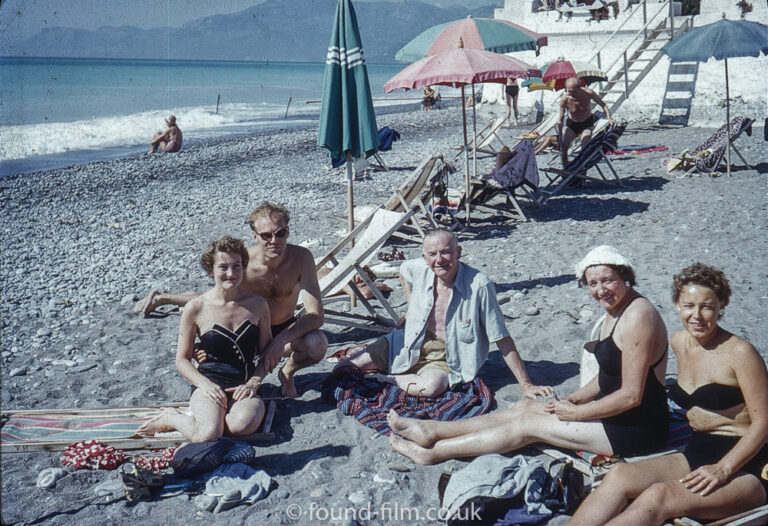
x=22, y=19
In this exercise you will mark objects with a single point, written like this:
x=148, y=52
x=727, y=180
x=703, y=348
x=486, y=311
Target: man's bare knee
x=312, y=346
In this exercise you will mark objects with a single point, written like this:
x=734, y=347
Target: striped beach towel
x=42, y=428
x=369, y=401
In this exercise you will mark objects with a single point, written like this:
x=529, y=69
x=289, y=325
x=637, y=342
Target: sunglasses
x=268, y=236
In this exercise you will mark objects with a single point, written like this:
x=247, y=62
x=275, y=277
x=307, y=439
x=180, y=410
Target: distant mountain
x=278, y=30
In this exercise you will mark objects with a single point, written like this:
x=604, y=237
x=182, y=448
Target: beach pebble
x=531, y=311
x=128, y=299
x=47, y=478
x=283, y=494
x=400, y=468
x=518, y=296
x=358, y=498
x=18, y=371
x=112, y=487
x=69, y=347
x=44, y=331
x=318, y=493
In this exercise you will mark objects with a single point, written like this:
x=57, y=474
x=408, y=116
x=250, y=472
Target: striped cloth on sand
x=369, y=401
x=33, y=428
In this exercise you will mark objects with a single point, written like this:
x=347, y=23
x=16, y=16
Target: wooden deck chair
x=55, y=429
x=412, y=194
x=369, y=236
x=487, y=142
x=715, y=147
x=754, y=517
x=592, y=156
x=519, y=177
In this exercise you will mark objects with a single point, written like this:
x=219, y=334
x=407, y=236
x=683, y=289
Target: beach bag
x=565, y=490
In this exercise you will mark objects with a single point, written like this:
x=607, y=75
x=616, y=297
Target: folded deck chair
x=519, y=175
x=55, y=429
x=347, y=260
x=487, y=142
x=710, y=155
x=593, y=154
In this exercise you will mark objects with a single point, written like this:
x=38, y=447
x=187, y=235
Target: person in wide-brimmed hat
x=169, y=140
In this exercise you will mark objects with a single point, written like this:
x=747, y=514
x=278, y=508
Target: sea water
x=58, y=112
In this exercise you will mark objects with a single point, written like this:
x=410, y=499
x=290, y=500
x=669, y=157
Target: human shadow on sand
x=289, y=463
x=761, y=167
x=589, y=209
x=550, y=281
x=497, y=375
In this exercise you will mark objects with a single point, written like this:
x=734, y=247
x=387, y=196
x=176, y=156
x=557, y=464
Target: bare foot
x=147, y=305
x=410, y=428
x=159, y=423
x=408, y=449
x=287, y=387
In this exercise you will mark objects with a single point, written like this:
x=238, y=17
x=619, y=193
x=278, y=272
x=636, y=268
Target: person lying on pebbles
x=621, y=411
x=233, y=327
x=452, y=318
x=277, y=271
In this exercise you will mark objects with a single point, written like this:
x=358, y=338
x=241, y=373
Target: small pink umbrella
x=458, y=68
x=566, y=69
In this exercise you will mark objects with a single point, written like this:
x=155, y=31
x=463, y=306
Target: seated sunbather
x=233, y=327
x=723, y=384
x=452, y=318
x=622, y=411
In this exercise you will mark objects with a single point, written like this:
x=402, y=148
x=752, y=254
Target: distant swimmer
x=168, y=140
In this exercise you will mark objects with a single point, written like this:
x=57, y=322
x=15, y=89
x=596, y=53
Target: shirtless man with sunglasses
x=277, y=271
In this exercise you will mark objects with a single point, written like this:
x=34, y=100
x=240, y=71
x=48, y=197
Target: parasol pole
x=351, y=214
x=727, y=120
x=350, y=195
x=466, y=143
x=466, y=154
x=474, y=132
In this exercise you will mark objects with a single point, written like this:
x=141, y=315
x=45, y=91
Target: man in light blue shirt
x=453, y=317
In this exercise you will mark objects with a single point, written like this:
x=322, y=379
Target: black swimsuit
x=230, y=360
x=706, y=448
x=642, y=429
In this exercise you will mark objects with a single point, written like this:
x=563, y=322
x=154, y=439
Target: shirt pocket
x=465, y=331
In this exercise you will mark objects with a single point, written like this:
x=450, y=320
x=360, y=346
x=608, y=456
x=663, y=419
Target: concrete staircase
x=641, y=55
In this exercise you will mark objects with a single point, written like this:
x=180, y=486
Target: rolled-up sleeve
x=495, y=328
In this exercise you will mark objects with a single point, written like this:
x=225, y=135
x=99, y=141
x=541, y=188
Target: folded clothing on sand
x=369, y=400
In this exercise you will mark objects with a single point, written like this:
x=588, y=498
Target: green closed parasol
x=347, y=120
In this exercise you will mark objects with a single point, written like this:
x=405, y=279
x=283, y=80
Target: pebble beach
x=81, y=244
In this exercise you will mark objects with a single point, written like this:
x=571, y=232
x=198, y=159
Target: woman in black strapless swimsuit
x=622, y=411
x=723, y=385
x=233, y=327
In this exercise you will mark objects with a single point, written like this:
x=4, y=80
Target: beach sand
x=81, y=244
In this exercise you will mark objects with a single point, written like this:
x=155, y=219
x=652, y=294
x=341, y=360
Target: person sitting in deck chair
x=452, y=318
x=578, y=102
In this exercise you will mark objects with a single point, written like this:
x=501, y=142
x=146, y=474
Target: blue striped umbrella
x=347, y=120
